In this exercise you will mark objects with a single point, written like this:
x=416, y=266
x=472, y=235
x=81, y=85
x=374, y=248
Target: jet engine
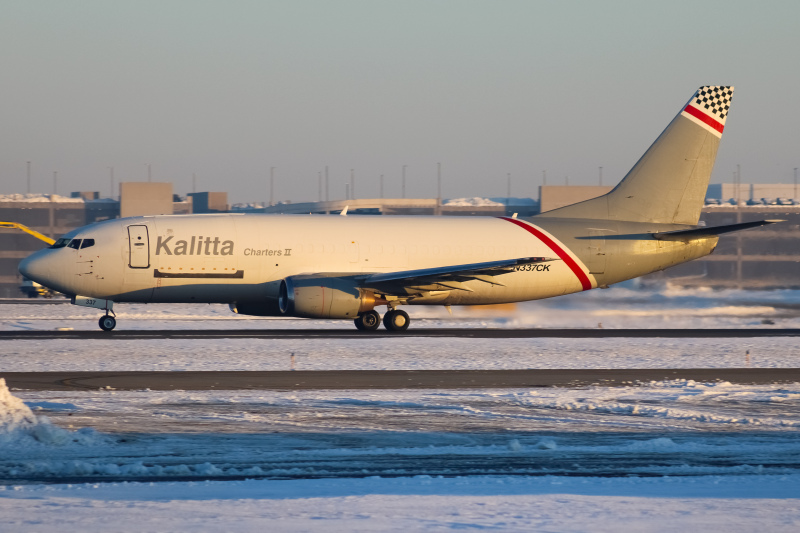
x=324, y=297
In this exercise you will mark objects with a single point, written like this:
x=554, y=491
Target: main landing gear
x=369, y=321
x=393, y=320
x=396, y=320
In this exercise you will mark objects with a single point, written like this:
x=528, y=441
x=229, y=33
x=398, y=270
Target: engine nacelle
x=323, y=297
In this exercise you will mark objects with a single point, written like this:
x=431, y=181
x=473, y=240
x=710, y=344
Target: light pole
x=271, y=185
x=439, y=185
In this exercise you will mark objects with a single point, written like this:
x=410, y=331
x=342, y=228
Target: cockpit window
x=60, y=243
x=87, y=243
x=75, y=243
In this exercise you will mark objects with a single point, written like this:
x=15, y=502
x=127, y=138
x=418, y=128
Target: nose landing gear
x=107, y=322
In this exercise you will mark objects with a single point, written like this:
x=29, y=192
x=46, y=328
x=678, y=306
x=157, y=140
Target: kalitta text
x=196, y=246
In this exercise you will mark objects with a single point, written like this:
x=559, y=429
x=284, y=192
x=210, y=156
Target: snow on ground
x=177, y=354
x=670, y=428
x=722, y=456
x=660, y=457
x=615, y=308
x=746, y=504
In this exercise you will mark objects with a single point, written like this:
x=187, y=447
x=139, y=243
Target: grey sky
x=228, y=89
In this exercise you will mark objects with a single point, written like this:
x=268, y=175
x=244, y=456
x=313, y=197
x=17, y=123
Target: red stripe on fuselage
x=705, y=119
x=558, y=250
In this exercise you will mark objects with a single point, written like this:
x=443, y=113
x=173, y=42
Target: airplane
x=344, y=267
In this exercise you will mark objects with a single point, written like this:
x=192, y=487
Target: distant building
x=555, y=196
x=86, y=195
x=141, y=198
x=407, y=206
x=763, y=193
x=209, y=202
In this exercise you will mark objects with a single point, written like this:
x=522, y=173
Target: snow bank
x=15, y=416
x=19, y=426
x=39, y=198
x=476, y=202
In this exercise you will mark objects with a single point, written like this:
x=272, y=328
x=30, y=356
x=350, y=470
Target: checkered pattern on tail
x=714, y=100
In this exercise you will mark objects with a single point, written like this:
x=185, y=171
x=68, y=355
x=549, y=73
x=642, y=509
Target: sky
x=225, y=91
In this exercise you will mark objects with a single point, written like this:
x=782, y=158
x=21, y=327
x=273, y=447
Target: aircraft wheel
x=108, y=322
x=396, y=320
x=369, y=321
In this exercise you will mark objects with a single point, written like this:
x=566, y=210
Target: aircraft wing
x=445, y=278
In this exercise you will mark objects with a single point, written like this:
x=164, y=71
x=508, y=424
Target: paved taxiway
x=386, y=379
x=348, y=333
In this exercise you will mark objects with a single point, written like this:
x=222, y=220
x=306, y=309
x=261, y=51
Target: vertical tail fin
x=668, y=184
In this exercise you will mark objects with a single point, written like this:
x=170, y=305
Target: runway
x=351, y=333
x=387, y=379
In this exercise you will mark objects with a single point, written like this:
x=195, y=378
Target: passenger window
x=60, y=243
x=75, y=243
x=87, y=243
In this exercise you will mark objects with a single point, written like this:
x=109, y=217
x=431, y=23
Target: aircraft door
x=139, y=244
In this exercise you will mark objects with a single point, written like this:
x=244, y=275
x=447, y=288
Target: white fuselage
x=242, y=258
x=249, y=260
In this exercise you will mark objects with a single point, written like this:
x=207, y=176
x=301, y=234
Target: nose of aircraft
x=41, y=268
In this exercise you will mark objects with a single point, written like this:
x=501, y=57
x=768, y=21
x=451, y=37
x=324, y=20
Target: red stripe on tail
x=559, y=251
x=702, y=117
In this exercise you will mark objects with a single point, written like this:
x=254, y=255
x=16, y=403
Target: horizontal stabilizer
x=702, y=232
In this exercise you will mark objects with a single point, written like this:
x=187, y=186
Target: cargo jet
x=344, y=267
